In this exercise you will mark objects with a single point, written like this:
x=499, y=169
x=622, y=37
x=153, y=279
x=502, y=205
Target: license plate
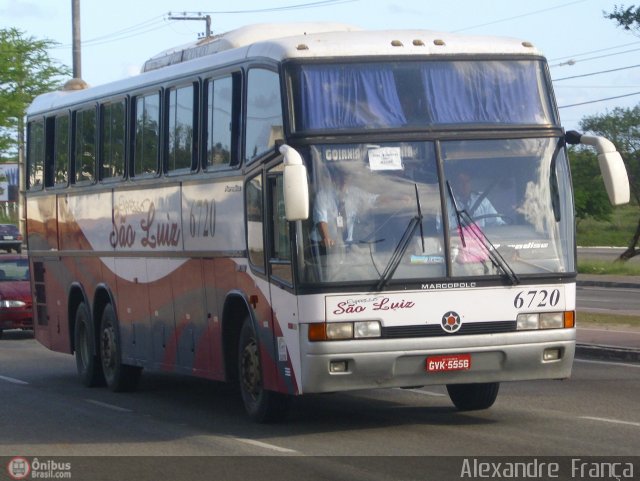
x=8, y=237
x=448, y=362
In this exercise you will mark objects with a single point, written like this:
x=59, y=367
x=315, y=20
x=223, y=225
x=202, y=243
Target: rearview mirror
x=614, y=173
x=296, y=185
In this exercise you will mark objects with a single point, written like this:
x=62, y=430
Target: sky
x=578, y=41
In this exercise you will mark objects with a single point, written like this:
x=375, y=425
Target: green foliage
x=627, y=18
x=622, y=127
x=26, y=70
x=591, y=198
x=617, y=231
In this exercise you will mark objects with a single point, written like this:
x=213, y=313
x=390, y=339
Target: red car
x=15, y=293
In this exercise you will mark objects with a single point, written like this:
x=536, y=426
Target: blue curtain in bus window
x=485, y=92
x=345, y=97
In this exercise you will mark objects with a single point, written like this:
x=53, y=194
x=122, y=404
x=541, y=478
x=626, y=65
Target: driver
x=477, y=205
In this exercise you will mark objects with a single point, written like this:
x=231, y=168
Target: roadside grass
x=607, y=320
x=616, y=268
x=617, y=232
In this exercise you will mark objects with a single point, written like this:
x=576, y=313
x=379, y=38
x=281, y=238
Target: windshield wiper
x=465, y=221
x=402, y=246
x=553, y=180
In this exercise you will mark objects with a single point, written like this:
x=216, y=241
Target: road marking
x=420, y=391
x=613, y=421
x=260, y=444
x=607, y=363
x=13, y=380
x=109, y=406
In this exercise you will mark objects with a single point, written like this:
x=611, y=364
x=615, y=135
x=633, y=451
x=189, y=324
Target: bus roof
x=289, y=41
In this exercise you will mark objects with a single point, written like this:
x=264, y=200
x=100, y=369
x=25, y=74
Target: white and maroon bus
x=311, y=208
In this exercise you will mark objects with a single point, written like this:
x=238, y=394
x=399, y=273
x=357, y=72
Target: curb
x=607, y=353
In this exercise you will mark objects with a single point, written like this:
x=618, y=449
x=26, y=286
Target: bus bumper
x=386, y=363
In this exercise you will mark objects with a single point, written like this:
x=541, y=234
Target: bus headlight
x=366, y=329
x=545, y=320
x=339, y=331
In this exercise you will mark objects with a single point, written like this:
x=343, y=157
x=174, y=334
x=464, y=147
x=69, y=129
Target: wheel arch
x=77, y=295
x=236, y=309
x=101, y=298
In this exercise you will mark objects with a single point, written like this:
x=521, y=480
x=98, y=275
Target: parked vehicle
x=15, y=293
x=10, y=238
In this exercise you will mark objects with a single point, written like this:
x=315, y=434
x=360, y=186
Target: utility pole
x=77, y=57
x=206, y=18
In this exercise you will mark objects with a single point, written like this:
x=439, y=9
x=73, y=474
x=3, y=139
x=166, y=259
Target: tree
x=26, y=70
x=627, y=18
x=589, y=193
x=622, y=127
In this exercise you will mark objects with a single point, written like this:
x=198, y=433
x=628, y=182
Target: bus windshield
x=381, y=213
x=414, y=94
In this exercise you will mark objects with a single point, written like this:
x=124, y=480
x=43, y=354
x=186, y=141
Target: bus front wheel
x=262, y=406
x=119, y=377
x=473, y=397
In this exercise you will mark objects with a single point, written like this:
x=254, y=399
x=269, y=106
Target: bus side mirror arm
x=296, y=185
x=612, y=168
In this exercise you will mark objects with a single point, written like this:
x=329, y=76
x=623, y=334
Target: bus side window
x=35, y=155
x=280, y=245
x=264, y=113
x=255, y=226
x=85, y=150
x=219, y=122
x=181, y=129
x=112, y=133
x=147, y=135
x=61, y=151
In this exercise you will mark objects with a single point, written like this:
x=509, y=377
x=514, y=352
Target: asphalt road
x=608, y=300
x=46, y=411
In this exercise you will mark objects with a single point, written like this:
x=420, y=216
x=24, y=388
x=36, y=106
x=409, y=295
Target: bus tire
x=473, y=397
x=262, y=406
x=118, y=376
x=87, y=361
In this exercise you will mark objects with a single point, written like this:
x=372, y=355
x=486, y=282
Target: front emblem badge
x=451, y=322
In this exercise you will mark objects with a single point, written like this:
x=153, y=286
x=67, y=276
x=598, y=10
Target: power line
x=573, y=62
x=133, y=30
x=277, y=9
x=599, y=100
x=593, y=51
x=596, y=73
x=520, y=16
x=157, y=23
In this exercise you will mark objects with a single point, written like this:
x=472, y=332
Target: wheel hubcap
x=251, y=379
x=108, y=348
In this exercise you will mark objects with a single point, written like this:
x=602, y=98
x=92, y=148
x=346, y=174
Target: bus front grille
x=435, y=330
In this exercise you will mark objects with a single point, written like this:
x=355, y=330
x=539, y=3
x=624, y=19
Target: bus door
x=280, y=274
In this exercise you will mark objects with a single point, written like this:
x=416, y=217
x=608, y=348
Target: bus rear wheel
x=118, y=376
x=473, y=397
x=87, y=361
x=262, y=406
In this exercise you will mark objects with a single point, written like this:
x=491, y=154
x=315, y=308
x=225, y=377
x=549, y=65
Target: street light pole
x=77, y=57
